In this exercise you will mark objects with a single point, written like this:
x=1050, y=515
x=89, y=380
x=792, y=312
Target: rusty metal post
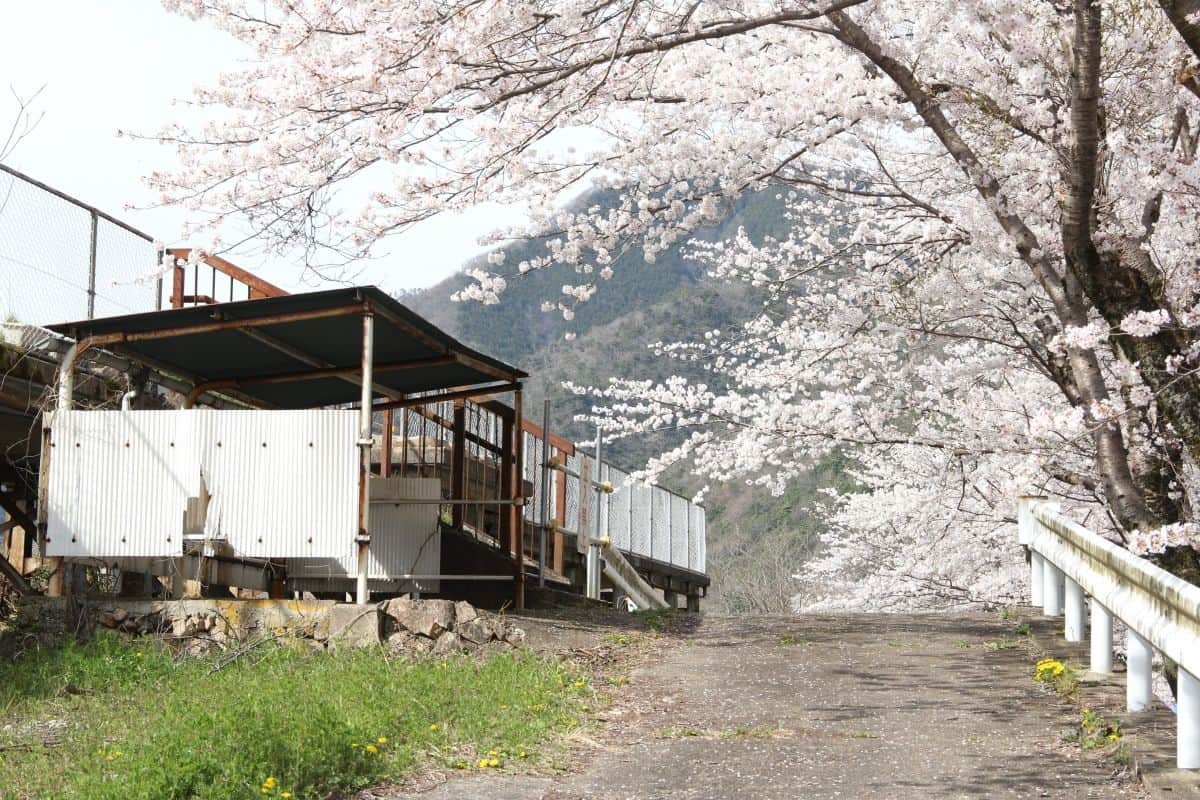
x=364, y=443
x=385, y=456
x=177, y=278
x=518, y=511
x=158, y=282
x=544, y=481
x=506, y=478
x=458, y=461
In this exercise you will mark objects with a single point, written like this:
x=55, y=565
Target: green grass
x=657, y=619
x=792, y=640
x=141, y=725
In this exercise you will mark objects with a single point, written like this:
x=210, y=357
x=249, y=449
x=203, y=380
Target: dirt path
x=825, y=707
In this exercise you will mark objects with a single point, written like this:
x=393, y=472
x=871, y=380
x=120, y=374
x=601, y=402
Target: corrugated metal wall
x=118, y=483
x=405, y=538
x=281, y=484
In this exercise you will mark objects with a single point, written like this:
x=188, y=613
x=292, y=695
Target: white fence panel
x=118, y=483
x=679, y=531
x=272, y=484
x=660, y=525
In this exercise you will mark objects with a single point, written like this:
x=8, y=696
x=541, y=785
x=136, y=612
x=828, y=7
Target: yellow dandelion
x=354, y=744
x=433, y=726
x=118, y=754
x=372, y=749
x=493, y=752
x=483, y=762
x=138, y=654
x=579, y=684
x=108, y=758
x=382, y=740
x=494, y=762
x=285, y=795
x=270, y=782
x=521, y=754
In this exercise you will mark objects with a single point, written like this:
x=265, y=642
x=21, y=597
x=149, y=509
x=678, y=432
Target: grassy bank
x=130, y=722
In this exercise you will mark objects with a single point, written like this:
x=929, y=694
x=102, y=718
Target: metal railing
x=1160, y=611
x=639, y=519
x=62, y=259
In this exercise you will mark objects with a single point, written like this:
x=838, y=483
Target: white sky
x=109, y=65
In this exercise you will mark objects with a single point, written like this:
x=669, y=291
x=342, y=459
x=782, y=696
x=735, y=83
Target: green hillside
x=756, y=541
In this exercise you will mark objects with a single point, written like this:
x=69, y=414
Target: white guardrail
x=1160, y=611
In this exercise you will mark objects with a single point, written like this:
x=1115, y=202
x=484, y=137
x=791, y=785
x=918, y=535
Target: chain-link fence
x=62, y=260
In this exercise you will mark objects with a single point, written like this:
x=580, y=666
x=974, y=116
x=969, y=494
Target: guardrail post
x=1052, y=590
x=1102, y=639
x=1026, y=528
x=1076, y=612
x=1037, y=569
x=1139, y=658
x=1187, y=695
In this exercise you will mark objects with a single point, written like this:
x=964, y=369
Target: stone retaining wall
x=197, y=626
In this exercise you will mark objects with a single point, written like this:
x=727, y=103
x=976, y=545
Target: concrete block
x=350, y=625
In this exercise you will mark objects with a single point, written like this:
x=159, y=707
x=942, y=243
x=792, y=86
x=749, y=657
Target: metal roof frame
x=297, y=351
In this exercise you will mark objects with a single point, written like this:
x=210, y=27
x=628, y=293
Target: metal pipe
x=364, y=444
x=518, y=513
x=91, y=290
x=416, y=501
x=1102, y=639
x=593, y=553
x=66, y=377
x=544, y=480
x=1076, y=612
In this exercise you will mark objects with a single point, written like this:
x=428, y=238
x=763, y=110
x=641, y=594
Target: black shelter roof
x=298, y=350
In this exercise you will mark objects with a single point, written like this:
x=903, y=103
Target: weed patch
x=1059, y=675
x=1095, y=731
x=282, y=722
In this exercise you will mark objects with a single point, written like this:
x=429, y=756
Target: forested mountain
x=755, y=541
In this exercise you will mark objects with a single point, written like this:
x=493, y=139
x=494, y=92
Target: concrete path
x=861, y=706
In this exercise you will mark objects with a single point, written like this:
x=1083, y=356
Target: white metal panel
x=695, y=561
x=679, y=531
x=660, y=525
x=619, y=509
x=640, y=495
x=571, y=520
x=283, y=484
x=118, y=483
x=405, y=538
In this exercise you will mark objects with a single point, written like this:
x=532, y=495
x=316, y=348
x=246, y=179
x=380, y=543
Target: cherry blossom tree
x=991, y=286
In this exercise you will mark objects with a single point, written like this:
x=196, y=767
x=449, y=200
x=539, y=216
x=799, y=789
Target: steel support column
x=364, y=443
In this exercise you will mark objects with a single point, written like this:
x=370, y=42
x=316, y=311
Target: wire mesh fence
x=63, y=260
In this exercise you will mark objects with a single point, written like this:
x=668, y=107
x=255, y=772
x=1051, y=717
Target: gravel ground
x=837, y=706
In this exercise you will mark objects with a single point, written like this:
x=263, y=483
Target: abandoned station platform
x=329, y=444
